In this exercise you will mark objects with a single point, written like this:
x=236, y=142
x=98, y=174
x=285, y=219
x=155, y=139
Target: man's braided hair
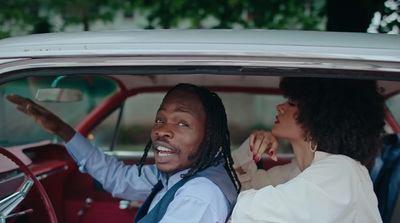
x=217, y=139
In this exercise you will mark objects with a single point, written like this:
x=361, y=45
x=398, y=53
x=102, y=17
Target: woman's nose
x=279, y=108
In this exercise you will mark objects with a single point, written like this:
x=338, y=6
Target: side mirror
x=59, y=95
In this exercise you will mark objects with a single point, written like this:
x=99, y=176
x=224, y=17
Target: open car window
x=393, y=105
x=245, y=112
x=18, y=129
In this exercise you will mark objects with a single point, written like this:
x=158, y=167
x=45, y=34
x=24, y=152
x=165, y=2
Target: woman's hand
x=261, y=142
x=43, y=117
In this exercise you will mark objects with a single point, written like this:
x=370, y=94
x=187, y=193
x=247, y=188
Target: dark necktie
x=146, y=204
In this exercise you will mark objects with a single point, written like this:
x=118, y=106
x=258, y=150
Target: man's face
x=178, y=132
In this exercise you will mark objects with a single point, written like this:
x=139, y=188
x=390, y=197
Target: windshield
x=17, y=128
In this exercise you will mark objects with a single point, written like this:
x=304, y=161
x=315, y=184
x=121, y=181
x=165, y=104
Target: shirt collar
x=318, y=155
x=168, y=183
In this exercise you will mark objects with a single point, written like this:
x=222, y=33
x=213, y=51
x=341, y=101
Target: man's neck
x=169, y=179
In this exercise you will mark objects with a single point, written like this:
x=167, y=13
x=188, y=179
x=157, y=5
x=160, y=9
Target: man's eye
x=182, y=124
x=159, y=121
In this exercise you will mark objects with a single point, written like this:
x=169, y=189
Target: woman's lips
x=277, y=120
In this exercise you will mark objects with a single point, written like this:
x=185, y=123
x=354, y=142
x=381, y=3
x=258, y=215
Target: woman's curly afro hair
x=342, y=116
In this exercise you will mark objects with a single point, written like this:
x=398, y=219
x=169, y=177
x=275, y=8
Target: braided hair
x=216, y=144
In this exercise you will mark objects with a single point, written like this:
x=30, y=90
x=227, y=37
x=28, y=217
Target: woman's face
x=285, y=125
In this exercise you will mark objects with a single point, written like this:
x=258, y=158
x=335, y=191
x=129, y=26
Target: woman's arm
x=252, y=177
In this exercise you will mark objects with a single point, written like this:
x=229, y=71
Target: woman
x=334, y=127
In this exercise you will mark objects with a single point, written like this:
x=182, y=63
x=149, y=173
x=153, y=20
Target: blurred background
x=22, y=17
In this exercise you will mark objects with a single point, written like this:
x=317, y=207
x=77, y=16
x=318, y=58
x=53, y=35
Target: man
x=193, y=179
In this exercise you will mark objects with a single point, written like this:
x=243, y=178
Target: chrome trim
x=9, y=203
x=127, y=154
x=293, y=62
x=51, y=172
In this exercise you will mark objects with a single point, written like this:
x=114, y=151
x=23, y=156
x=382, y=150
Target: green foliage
x=17, y=15
x=75, y=12
x=227, y=14
x=33, y=16
x=387, y=20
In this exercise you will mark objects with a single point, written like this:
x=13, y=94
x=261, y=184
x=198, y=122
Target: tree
x=17, y=16
x=75, y=12
x=33, y=16
x=387, y=19
x=351, y=15
x=227, y=14
x=342, y=15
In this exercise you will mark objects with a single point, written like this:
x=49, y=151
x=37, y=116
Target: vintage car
x=109, y=84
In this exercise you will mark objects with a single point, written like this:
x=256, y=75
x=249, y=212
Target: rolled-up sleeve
x=120, y=180
x=254, y=178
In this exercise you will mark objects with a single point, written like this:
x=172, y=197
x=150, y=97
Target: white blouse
x=335, y=188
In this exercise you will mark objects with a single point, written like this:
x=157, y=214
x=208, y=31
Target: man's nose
x=164, y=130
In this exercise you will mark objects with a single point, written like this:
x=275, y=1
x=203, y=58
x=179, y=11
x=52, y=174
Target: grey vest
x=217, y=174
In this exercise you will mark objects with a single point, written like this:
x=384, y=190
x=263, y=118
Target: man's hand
x=43, y=117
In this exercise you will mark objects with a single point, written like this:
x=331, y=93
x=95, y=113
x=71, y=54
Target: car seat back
x=385, y=175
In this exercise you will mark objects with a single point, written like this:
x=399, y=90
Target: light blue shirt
x=199, y=200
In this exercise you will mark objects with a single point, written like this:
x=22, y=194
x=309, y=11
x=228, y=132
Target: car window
x=245, y=112
x=18, y=128
x=393, y=105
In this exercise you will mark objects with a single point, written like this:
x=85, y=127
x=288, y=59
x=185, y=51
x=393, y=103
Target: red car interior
x=71, y=191
x=76, y=196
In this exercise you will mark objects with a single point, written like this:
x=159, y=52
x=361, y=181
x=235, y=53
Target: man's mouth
x=163, y=151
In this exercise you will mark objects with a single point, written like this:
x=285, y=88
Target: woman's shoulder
x=341, y=165
x=325, y=157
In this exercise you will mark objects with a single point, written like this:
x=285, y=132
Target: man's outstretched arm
x=47, y=120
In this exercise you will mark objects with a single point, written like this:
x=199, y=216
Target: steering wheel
x=10, y=202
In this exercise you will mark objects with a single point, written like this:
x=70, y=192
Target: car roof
x=205, y=42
